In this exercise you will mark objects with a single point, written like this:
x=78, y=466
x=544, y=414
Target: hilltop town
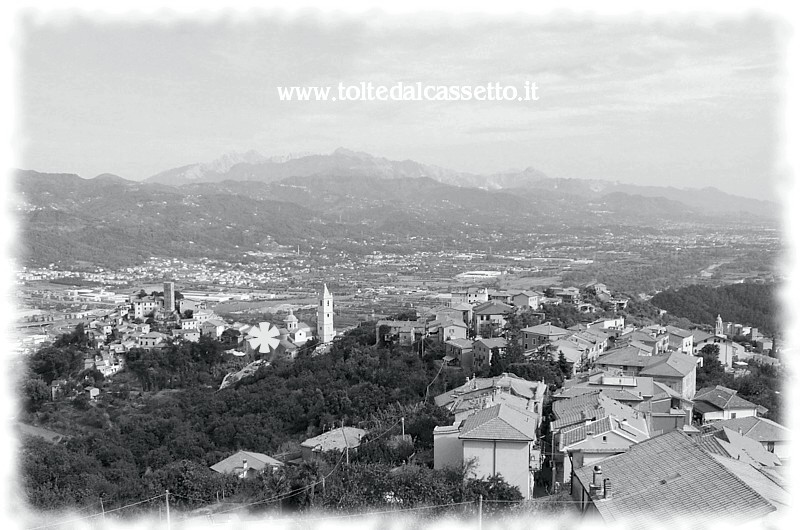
x=559, y=395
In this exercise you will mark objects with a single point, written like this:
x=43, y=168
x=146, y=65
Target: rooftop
x=499, y=422
x=335, y=439
x=722, y=398
x=668, y=478
x=760, y=429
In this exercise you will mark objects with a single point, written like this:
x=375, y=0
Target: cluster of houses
x=630, y=442
x=156, y=321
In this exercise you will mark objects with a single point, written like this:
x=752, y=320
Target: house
x=57, y=388
x=653, y=341
x=464, y=311
x=92, y=392
x=732, y=444
x=470, y=295
x=143, y=307
x=680, y=340
x=500, y=439
x=483, y=349
x=456, y=348
x=530, y=299
x=569, y=295
x=341, y=439
x=721, y=403
x=773, y=436
x=478, y=388
x=676, y=370
x=449, y=329
x=728, y=350
x=489, y=318
x=597, y=288
x=189, y=323
x=212, y=327
x=191, y=335
x=500, y=296
x=536, y=336
x=667, y=410
x=246, y=464
x=576, y=354
x=592, y=441
x=629, y=360
x=573, y=413
x=151, y=340
x=403, y=331
x=665, y=480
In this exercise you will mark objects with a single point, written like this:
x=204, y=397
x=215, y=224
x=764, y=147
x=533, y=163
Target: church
x=295, y=334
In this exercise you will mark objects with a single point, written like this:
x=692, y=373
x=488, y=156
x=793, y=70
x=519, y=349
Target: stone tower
x=718, y=331
x=169, y=297
x=325, y=331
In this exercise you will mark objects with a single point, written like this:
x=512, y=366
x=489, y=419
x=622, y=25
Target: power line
x=364, y=514
x=95, y=514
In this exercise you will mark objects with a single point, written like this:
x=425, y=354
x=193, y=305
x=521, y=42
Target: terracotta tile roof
x=577, y=403
x=335, y=439
x=675, y=364
x=492, y=308
x=625, y=356
x=460, y=343
x=680, y=332
x=722, y=398
x=762, y=480
x=670, y=478
x=515, y=384
x=573, y=418
x=759, y=429
x=743, y=448
x=547, y=329
x=579, y=433
x=698, y=335
x=234, y=463
x=499, y=422
x=498, y=342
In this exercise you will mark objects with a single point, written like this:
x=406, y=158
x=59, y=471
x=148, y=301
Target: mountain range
x=249, y=202
x=252, y=166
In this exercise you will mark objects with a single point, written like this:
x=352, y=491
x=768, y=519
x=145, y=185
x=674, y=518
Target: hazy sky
x=679, y=101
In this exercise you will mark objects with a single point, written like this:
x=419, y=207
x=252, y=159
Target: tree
x=712, y=372
x=34, y=393
x=563, y=365
x=496, y=365
x=188, y=314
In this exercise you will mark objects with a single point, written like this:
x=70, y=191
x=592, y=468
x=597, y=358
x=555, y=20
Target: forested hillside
x=747, y=304
x=126, y=447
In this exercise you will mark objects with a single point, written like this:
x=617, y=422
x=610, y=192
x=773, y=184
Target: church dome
x=290, y=317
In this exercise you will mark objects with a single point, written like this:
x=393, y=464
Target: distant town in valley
x=257, y=337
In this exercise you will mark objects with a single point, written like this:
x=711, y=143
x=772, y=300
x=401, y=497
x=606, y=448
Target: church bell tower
x=325, y=330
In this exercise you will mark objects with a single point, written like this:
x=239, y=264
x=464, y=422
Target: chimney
x=740, y=430
x=597, y=480
x=607, y=488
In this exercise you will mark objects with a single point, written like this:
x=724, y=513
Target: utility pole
x=346, y=446
x=480, y=511
x=102, y=508
x=403, y=426
x=553, y=461
x=166, y=498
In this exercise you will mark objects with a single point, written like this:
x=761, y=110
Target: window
x=733, y=415
x=771, y=447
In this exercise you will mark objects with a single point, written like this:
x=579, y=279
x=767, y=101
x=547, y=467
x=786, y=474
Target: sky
x=678, y=100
